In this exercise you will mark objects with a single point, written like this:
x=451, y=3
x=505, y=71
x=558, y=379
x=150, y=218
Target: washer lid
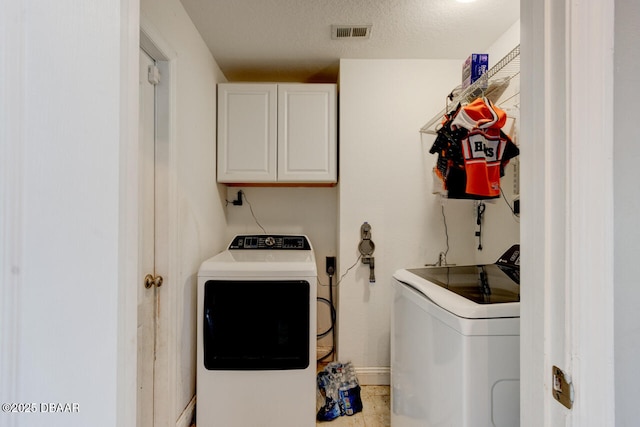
x=474, y=292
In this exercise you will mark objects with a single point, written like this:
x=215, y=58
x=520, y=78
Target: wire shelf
x=491, y=84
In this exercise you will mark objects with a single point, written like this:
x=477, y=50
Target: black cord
x=349, y=269
x=333, y=321
x=480, y=212
x=333, y=317
x=253, y=214
x=513, y=212
x=333, y=311
x=442, y=257
x=446, y=233
x=326, y=355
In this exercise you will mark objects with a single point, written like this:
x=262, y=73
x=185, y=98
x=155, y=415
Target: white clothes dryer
x=256, y=355
x=455, y=346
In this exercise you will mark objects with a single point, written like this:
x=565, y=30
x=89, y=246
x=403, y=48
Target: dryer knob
x=269, y=241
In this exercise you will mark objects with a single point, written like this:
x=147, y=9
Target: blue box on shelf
x=475, y=66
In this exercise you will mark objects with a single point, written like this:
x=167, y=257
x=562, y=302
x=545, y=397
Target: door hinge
x=153, y=75
x=562, y=388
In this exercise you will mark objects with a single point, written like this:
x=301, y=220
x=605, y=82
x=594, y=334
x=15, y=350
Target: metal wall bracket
x=366, y=248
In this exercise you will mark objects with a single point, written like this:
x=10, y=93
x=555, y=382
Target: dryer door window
x=256, y=325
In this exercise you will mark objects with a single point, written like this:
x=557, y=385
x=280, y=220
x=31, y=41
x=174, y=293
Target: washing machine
x=455, y=345
x=256, y=343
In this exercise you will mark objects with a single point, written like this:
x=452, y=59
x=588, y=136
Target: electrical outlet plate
x=331, y=265
x=562, y=388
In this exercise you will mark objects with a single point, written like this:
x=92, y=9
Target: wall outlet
x=331, y=265
x=516, y=206
x=238, y=200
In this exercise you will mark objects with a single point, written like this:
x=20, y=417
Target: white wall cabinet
x=277, y=133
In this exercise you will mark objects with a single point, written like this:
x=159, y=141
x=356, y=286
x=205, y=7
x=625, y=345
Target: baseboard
x=187, y=415
x=374, y=375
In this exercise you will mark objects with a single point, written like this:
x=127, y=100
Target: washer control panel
x=282, y=242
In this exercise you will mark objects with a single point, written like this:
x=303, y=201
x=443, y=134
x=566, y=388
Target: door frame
x=147, y=297
x=165, y=378
x=567, y=224
x=12, y=86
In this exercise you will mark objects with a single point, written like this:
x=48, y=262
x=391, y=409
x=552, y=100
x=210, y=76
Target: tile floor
x=375, y=410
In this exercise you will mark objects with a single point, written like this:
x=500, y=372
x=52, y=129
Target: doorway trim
x=166, y=265
x=567, y=236
x=128, y=271
x=12, y=141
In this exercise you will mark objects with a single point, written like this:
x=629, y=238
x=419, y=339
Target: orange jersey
x=484, y=147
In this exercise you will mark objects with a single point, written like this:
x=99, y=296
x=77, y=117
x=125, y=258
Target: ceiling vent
x=350, y=31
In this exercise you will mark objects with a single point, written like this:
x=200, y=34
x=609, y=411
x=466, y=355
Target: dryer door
x=256, y=324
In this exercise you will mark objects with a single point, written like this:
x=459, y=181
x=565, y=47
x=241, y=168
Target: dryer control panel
x=281, y=242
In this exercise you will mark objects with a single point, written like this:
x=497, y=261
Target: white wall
x=196, y=210
x=385, y=179
x=505, y=43
x=65, y=85
x=626, y=208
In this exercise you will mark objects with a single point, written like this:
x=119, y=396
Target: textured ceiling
x=290, y=40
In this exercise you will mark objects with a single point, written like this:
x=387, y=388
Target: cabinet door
x=247, y=132
x=307, y=133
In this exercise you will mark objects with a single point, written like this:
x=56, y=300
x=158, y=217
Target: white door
x=148, y=284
